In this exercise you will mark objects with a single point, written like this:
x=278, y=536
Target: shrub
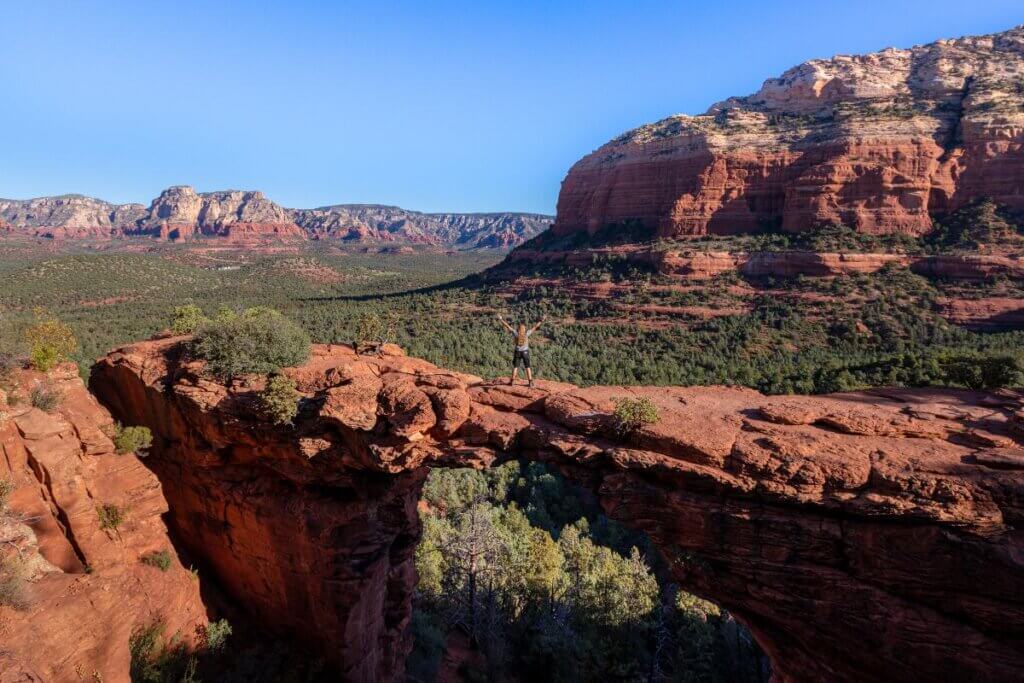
x=8, y=364
x=186, y=319
x=132, y=439
x=6, y=489
x=215, y=635
x=155, y=659
x=633, y=413
x=979, y=223
x=50, y=342
x=45, y=397
x=260, y=340
x=161, y=559
x=279, y=400
x=225, y=313
x=13, y=592
x=376, y=330
x=982, y=372
x=111, y=516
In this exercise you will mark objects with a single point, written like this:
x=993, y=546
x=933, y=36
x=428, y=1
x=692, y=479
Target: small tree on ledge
x=633, y=413
x=375, y=331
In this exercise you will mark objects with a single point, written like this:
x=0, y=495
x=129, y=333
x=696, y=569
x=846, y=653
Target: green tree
x=982, y=372
x=279, y=399
x=187, y=319
x=257, y=341
x=50, y=342
x=133, y=439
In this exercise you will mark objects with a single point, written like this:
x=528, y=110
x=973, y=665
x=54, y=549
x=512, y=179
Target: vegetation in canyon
x=158, y=658
x=523, y=564
x=132, y=439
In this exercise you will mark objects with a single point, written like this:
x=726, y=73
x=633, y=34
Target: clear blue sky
x=471, y=106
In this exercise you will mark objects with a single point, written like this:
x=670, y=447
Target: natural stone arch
x=859, y=537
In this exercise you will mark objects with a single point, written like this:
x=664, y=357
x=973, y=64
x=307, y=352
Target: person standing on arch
x=521, y=353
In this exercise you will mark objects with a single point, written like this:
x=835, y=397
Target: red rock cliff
x=879, y=142
x=861, y=537
x=82, y=589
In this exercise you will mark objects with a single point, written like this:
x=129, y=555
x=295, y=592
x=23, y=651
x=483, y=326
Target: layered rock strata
x=890, y=519
x=697, y=265
x=181, y=213
x=879, y=142
x=76, y=591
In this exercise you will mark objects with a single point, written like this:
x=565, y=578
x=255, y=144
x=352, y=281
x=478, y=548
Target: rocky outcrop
x=880, y=142
x=81, y=590
x=698, y=265
x=181, y=213
x=69, y=216
x=391, y=224
x=986, y=314
x=871, y=536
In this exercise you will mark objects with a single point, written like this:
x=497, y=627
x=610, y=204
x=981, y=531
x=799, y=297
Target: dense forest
x=797, y=335
x=520, y=565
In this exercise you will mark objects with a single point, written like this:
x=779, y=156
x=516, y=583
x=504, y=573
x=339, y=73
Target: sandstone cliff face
x=879, y=142
x=69, y=216
x=693, y=265
x=85, y=588
x=181, y=213
x=871, y=536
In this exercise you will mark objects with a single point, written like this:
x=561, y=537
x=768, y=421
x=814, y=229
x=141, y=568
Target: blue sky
x=472, y=106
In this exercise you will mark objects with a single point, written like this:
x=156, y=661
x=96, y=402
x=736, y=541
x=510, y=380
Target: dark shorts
x=523, y=356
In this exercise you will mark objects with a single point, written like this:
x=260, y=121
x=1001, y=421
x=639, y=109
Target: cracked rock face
x=879, y=142
x=868, y=536
x=83, y=589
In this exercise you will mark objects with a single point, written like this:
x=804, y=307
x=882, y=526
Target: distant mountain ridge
x=181, y=213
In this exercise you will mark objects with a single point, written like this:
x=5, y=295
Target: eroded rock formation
x=697, y=265
x=69, y=216
x=879, y=142
x=871, y=536
x=78, y=591
x=181, y=213
x=371, y=222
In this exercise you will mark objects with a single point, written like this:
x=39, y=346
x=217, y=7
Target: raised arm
x=539, y=323
x=507, y=326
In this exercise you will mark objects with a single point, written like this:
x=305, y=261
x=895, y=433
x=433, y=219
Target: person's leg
x=526, y=364
x=515, y=367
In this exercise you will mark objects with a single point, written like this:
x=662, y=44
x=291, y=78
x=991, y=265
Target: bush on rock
x=256, y=341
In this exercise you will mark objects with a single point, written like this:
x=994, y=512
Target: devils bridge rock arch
x=871, y=536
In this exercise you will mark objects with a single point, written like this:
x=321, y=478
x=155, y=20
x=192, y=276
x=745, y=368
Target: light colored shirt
x=526, y=346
